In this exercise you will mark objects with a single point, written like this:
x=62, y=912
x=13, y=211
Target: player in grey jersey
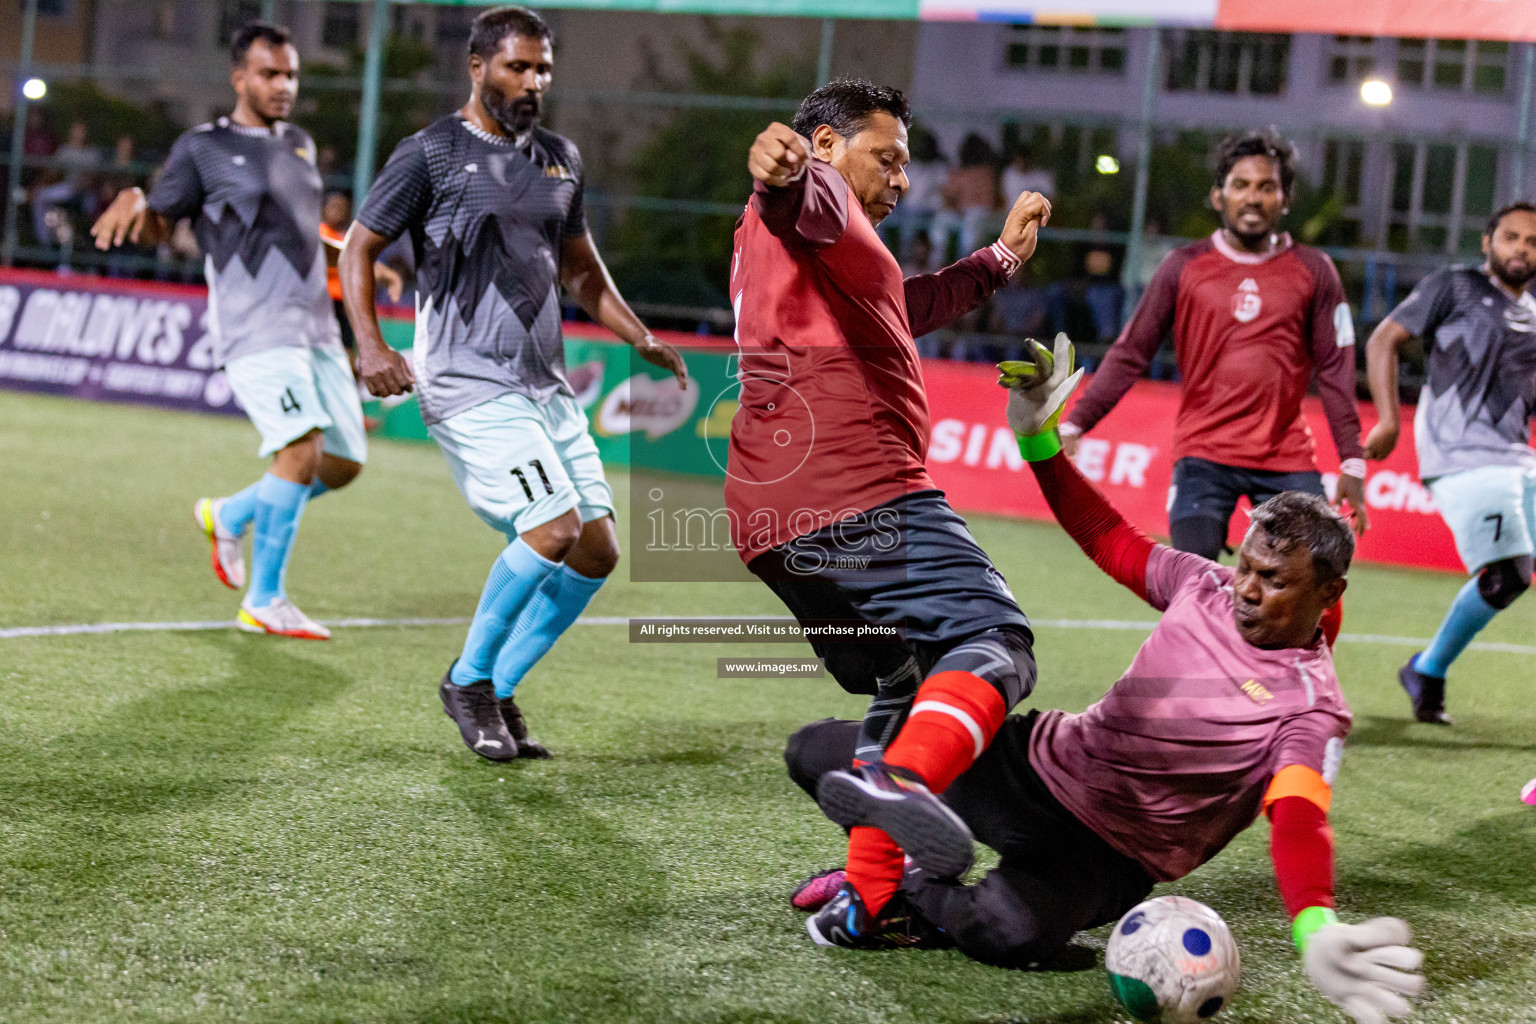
x=250, y=184
x=1472, y=430
x=493, y=205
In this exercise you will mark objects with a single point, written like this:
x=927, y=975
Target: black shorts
x=1209, y=490
x=1055, y=876
x=910, y=562
x=348, y=339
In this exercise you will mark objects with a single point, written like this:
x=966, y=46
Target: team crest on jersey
x=1246, y=303
x=556, y=171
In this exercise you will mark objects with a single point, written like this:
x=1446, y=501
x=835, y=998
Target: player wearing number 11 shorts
x=493, y=205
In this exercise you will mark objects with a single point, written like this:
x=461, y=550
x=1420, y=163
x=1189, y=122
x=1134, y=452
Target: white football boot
x=280, y=618
x=228, y=558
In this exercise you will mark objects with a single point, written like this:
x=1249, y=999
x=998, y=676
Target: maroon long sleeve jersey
x=1249, y=331
x=833, y=418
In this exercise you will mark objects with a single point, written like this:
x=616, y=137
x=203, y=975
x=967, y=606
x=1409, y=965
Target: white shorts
x=521, y=464
x=1491, y=512
x=289, y=391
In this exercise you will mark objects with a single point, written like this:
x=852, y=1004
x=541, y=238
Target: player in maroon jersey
x=1254, y=317
x=828, y=496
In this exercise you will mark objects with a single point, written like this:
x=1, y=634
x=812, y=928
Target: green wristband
x=1041, y=446
x=1309, y=921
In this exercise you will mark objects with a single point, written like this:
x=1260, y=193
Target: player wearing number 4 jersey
x=1230, y=709
x=1254, y=318
x=1472, y=430
x=250, y=183
x=493, y=205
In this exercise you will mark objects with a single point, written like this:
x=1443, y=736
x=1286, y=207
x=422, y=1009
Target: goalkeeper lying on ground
x=1230, y=708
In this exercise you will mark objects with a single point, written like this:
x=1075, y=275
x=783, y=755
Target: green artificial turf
x=210, y=826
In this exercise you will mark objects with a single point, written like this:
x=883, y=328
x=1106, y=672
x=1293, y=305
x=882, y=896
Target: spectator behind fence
x=76, y=160
x=926, y=174
x=1102, y=291
x=1018, y=312
x=970, y=196
x=1021, y=175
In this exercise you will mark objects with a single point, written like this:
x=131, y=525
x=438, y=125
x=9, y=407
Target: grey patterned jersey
x=487, y=218
x=1480, y=347
x=255, y=197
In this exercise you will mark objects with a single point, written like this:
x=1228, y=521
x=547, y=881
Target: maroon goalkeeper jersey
x=1249, y=332
x=833, y=418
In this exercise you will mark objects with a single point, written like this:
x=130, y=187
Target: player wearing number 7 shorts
x=493, y=205
x=1472, y=430
x=250, y=184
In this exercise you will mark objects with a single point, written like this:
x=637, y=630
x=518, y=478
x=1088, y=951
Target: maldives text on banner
x=108, y=340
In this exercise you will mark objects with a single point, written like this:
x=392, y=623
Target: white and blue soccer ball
x=1172, y=960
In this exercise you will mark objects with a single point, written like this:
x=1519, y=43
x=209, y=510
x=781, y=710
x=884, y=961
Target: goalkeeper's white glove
x=1366, y=969
x=1037, y=392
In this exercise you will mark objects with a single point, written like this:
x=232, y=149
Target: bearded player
x=1472, y=430
x=1230, y=709
x=829, y=499
x=493, y=205
x=1254, y=318
x=250, y=183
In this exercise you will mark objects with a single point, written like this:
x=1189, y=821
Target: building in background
x=1420, y=174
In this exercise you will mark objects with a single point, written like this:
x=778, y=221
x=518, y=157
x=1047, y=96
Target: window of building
x=1458, y=65
x=1343, y=162
x=1239, y=63
x=340, y=27
x=1441, y=195
x=1065, y=48
x=1350, y=59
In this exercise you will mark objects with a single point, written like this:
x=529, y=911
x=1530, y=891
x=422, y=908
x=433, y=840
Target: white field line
x=1114, y=625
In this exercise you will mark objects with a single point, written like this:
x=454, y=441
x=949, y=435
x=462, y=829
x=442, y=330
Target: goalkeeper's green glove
x=1037, y=392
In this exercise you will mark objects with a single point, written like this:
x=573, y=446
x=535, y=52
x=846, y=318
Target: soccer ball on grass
x=1172, y=960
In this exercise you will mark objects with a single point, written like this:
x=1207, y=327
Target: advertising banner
x=109, y=341
x=975, y=458
x=132, y=341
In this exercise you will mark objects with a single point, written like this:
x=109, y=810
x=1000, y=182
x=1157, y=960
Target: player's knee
x=1501, y=582
x=1199, y=535
x=337, y=473
x=1002, y=931
x=556, y=539
x=818, y=748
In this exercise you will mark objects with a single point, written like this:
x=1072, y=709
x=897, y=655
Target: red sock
x=874, y=866
x=953, y=718
x=1333, y=621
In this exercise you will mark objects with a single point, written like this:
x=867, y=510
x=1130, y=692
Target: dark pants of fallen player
x=1055, y=877
x=1205, y=495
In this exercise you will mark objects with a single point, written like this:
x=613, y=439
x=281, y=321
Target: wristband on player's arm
x=1308, y=922
x=1041, y=446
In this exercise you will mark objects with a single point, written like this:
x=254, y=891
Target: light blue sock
x=1468, y=615
x=239, y=509
x=562, y=597
x=515, y=576
x=279, y=504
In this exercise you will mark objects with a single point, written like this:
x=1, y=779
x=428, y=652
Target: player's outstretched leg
x=958, y=709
